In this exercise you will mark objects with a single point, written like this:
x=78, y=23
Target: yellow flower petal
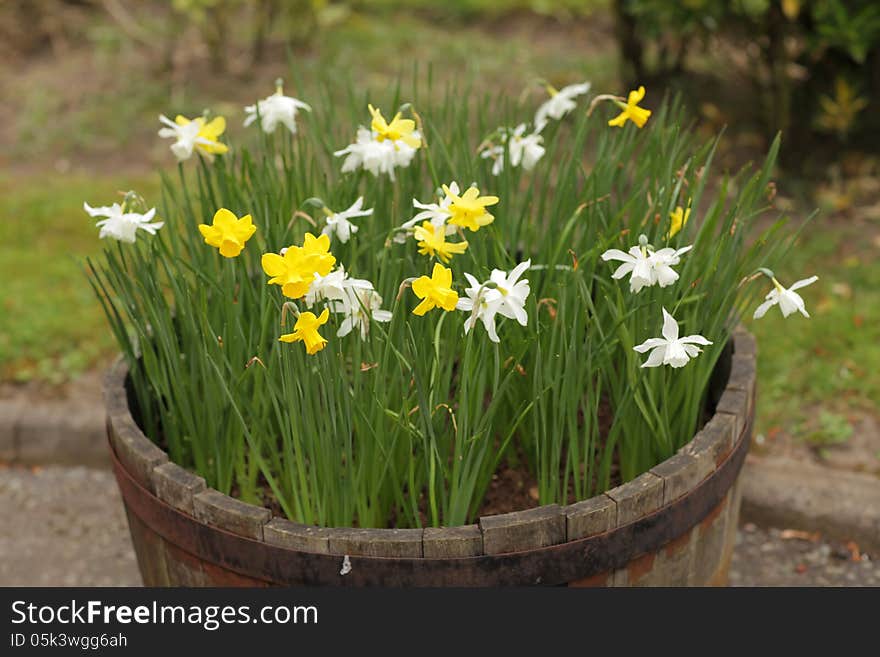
x=423, y=307
x=273, y=264
x=215, y=127
x=619, y=120
x=435, y=291
x=228, y=233
x=230, y=248
x=224, y=219
x=441, y=275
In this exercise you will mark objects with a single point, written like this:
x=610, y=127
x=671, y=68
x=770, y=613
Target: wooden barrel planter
x=672, y=526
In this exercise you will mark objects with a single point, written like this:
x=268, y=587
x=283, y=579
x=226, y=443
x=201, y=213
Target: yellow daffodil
x=227, y=232
x=306, y=329
x=469, y=209
x=631, y=110
x=209, y=133
x=435, y=291
x=295, y=270
x=398, y=130
x=679, y=218
x=432, y=242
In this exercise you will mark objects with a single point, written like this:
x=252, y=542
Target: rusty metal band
x=553, y=565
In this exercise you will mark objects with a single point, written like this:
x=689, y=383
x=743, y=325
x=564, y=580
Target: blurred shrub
x=467, y=9
x=296, y=20
x=223, y=27
x=28, y=26
x=808, y=59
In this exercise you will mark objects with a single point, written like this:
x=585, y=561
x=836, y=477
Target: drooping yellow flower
x=432, y=241
x=435, y=291
x=469, y=209
x=306, y=329
x=295, y=270
x=227, y=232
x=209, y=133
x=398, y=130
x=631, y=110
x=679, y=218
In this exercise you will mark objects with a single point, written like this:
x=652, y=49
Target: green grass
x=830, y=360
x=51, y=327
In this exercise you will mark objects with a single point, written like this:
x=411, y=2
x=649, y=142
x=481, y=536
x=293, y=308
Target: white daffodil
x=360, y=305
x=637, y=263
x=186, y=137
x=373, y=156
x=275, y=109
x=436, y=213
x=482, y=303
x=524, y=149
x=333, y=287
x=670, y=349
x=338, y=223
x=788, y=300
x=646, y=266
x=122, y=225
x=559, y=104
x=503, y=294
x=497, y=154
x=662, y=262
x=513, y=292
x=383, y=147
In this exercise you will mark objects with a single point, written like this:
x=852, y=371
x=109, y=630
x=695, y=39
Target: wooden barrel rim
x=546, y=545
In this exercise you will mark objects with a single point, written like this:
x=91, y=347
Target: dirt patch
x=511, y=489
x=848, y=441
x=84, y=390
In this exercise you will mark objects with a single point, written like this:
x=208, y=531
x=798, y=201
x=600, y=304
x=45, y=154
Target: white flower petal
x=656, y=357
x=666, y=275
x=489, y=323
x=617, y=254
x=345, y=327
x=517, y=271
x=695, y=339
x=691, y=350
x=623, y=270
x=761, y=310
x=670, y=327
x=683, y=250
x=650, y=343
x=803, y=283
x=676, y=355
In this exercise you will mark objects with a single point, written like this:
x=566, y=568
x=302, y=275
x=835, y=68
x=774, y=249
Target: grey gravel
x=774, y=557
x=65, y=526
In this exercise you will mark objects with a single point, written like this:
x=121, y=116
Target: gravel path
x=774, y=557
x=65, y=526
